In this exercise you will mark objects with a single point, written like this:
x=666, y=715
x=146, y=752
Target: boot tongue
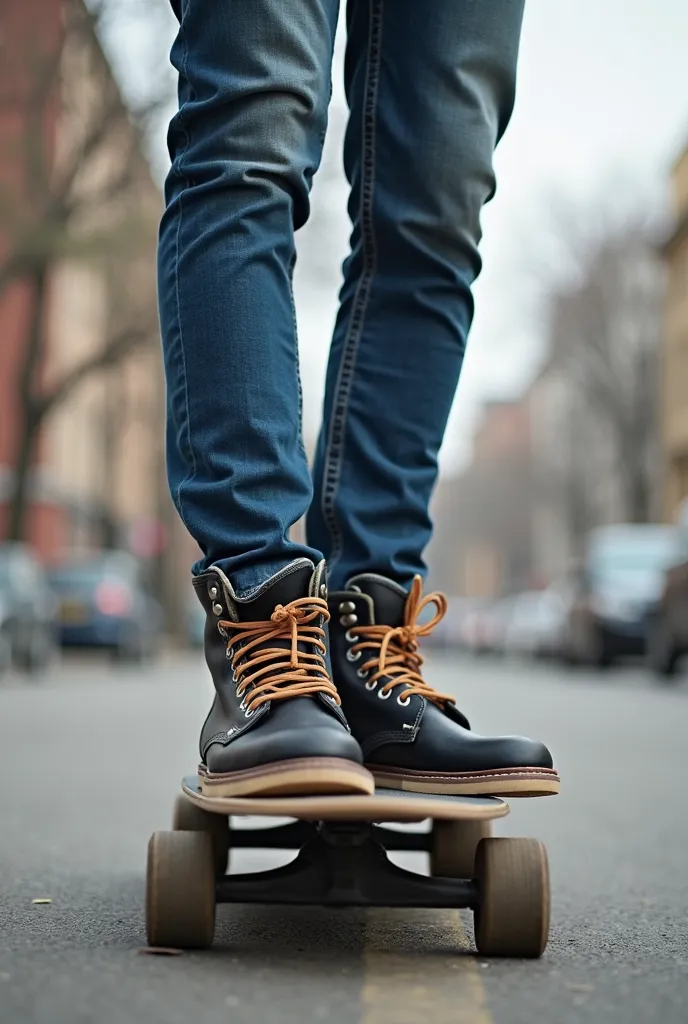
x=388, y=597
x=291, y=583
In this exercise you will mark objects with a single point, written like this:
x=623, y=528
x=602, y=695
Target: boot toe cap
x=282, y=746
x=520, y=752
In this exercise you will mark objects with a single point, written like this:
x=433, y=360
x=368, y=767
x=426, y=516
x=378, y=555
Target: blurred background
x=572, y=414
x=561, y=537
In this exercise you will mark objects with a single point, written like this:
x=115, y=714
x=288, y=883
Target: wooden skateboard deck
x=388, y=805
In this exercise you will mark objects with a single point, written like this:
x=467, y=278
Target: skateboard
x=342, y=862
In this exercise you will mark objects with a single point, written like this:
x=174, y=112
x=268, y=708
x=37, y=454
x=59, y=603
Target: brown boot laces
x=396, y=648
x=278, y=673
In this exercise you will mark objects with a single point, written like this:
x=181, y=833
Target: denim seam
x=299, y=383
x=334, y=453
x=187, y=142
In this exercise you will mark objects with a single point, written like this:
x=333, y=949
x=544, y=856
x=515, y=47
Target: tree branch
x=113, y=351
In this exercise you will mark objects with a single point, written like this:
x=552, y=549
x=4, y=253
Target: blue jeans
x=430, y=86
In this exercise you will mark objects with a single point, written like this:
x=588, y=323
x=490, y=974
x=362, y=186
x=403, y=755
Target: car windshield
x=80, y=577
x=635, y=562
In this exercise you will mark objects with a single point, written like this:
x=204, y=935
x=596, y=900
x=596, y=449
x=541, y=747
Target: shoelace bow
x=277, y=673
x=396, y=648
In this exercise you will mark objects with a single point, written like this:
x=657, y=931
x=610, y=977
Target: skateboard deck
x=389, y=805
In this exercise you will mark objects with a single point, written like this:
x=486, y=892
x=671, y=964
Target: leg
x=431, y=88
x=254, y=84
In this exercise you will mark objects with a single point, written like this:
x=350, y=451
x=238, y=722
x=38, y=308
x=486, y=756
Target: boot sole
x=302, y=776
x=504, y=782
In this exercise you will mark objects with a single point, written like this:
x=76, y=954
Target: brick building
x=97, y=468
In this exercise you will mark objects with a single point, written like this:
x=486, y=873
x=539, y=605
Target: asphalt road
x=90, y=760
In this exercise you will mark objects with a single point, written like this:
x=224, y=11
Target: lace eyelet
x=371, y=685
x=363, y=673
x=353, y=656
x=404, y=703
x=351, y=637
x=384, y=696
x=248, y=712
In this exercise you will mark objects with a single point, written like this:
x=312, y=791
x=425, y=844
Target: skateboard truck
x=343, y=864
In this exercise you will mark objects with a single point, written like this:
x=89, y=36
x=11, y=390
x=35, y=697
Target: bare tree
x=605, y=337
x=75, y=196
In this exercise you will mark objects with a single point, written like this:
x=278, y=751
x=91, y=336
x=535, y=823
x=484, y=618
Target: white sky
x=602, y=109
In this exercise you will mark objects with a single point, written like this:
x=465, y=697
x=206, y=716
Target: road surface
x=90, y=760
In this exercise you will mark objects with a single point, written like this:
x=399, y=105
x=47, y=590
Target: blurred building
x=675, y=352
x=482, y=545
x=85, y=295
x=575, y=487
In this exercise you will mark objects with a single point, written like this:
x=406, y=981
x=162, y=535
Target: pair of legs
x=430, y=88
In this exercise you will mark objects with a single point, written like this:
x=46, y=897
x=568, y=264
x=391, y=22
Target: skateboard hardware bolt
x=400, y=700
x=384, y=695
x=349, y=620
x=351, y=656
x=213, y=591
x=346, y=607
x=217, y=608
x=371, y=686
x=351, y=637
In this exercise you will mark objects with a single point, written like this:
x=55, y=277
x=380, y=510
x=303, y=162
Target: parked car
x=103, y=604
x=534, y=629
x=27, y=611
x=447, y=634
x=472, y=630
x=195, y=622
x=484, y=629
x=616, y=591
x=667, y=628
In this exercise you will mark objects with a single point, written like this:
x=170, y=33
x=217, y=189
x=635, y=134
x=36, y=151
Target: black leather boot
x=275, y=726
x=414, y=738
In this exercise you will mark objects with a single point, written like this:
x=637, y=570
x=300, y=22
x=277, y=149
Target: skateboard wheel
x=512, y=918
x=180, y=890
x=453, y=845
x=187, y=817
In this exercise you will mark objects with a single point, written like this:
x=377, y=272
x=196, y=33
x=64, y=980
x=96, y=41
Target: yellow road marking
x=417, y=970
